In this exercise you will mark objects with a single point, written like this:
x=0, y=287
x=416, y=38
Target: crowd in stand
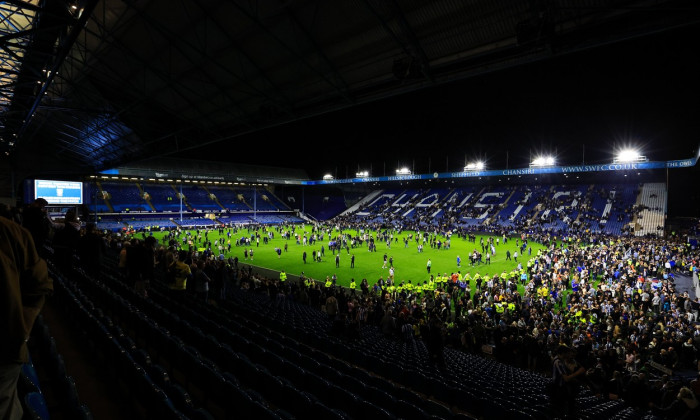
x=612, y=302
x=540, y=209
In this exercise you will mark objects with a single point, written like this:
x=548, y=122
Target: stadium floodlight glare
x=403, y=171
x=474, y=166
x=327, y=177
x=543, y=161
x=629, y=156
x=362, y=174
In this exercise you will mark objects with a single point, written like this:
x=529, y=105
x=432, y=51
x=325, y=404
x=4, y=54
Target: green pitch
x=408, y=262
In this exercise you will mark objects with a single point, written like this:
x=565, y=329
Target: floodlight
x=362, y=174
x=543, y=161
x=327, y=177
x=628, y=156
x=474, y=166
x=403, y=171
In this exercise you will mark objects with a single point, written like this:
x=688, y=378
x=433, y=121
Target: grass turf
x=409, y=264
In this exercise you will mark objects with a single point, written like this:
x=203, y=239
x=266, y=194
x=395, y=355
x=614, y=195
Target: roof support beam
x=63, y=50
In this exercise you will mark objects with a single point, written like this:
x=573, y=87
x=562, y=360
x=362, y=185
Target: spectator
x=201, y=280
x=92, y=248
x=566, y=373
x=65, y=241
x=140, y=261
x=332, y=307
x=25, y=284
x=435, y=341
x=684, y=406
x=179, y=272
x=36, y=220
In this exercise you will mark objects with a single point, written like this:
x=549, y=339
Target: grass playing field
x=409, y=264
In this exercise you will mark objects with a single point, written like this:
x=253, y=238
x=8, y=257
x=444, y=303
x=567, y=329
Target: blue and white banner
x=683, y=163
x=174, y=176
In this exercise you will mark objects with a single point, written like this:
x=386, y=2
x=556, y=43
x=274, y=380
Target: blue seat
x=514, y=414
x=193, y=375
x=51, y=351
x=292, y=355
x=380, y=398
x=284, y=414
x=28, y=380
x=160, y=342
x=248, y=371
x=67, y=392
x=438, y=409
x=204, y=380
x=40, y=333
x=228, y=399
x=322, y=411
x=309, y=363
x=211, y=346
x=179, y=396
x=261, y=412
x=463, y=416
x=166, y=410
x=470, y=401
x=342, y=399
x=274, y=362
x=352, y=384
x=58, y=368
x=81, y=412
x=494, y=410
x=158, y=374
x=141, y=357
x=408, y=396
x=178, y=361
x=228, y=359
x=315, y=384
x=406, y=410
x=35, y=407
x=127, y=342
x=367, y=410
x=199, y=414
x=293, y=400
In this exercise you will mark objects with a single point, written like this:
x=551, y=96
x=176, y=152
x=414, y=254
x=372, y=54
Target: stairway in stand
x=94, y=390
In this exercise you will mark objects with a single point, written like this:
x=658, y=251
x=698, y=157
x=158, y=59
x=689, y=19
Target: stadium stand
x=200, y=199
x=252, y=354
x=253, y=348
x=49, y=381
x=229, y=198
x=163, y=197
x=124, y=196
x=111, y=224
x=556, y=208
x=651, y=210
x=323, y=204
x=101, y=200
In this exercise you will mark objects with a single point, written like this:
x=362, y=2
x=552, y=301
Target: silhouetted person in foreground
x=24, y=284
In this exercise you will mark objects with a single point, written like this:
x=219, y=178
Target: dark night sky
x=581, y=106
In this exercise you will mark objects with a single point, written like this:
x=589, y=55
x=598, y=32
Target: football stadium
x=347, y=210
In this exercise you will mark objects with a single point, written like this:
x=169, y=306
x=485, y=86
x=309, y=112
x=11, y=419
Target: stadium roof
x=90, y=85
